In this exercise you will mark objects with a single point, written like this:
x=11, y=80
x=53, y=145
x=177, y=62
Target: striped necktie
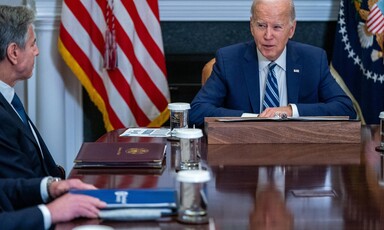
x=16, y=103
x=271, y=96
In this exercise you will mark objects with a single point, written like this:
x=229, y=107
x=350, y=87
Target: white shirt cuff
x=249, y=115
x=46, y=215
x=295, y=112
x=44, y=190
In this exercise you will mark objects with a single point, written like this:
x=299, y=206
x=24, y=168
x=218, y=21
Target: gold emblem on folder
x=136, y=151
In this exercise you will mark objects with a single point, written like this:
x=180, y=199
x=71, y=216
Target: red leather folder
x=121, y=154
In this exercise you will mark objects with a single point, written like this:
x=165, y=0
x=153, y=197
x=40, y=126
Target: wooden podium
x=284, y=154
x=221, y=130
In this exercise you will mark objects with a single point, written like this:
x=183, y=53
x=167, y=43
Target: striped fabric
x=375, y=21
x=271, y=96
x=16, y=103
x=135, y=92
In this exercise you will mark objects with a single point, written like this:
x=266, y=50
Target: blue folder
x=134, y=198
x=135, y=204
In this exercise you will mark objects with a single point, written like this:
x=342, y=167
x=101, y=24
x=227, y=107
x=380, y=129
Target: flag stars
x=369, y=73
x=347, y=46
x=375, y=77
x=357, y=60
x=381, y=79
x=343, y=30
x=351, y=53
x=345, y=39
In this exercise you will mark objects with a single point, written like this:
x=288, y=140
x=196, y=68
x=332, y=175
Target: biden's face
x=272, y=27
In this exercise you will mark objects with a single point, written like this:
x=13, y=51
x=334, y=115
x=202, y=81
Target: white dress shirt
x=281, y=76
x=43, y=208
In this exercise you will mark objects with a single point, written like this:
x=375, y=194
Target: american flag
x=375, y=21
x=115, y=49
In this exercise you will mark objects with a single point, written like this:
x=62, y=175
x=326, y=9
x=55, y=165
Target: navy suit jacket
x=233, y=87
x=20, y=156
x=18, y=204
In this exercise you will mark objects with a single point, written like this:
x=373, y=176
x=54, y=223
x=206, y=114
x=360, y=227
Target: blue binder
x=134, y=198
x=135, y=204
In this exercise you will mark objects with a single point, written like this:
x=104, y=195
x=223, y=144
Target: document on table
x=303, y=118
x=146, y=132
x=135, y=214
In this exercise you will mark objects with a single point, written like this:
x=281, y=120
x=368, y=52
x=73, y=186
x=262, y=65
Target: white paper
x=134, y=214
x=303, y=118
x=146, y=132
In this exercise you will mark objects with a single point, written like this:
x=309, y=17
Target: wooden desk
x=343, y=182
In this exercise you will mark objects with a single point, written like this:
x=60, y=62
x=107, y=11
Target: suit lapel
x=14, y=117
x=251, y=74
x=40, y=150
x=293, y=74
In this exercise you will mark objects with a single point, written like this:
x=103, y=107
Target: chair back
x=207, y=70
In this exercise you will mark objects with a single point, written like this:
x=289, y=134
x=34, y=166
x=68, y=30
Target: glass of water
x=192, y=196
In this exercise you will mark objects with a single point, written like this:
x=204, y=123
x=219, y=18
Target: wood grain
x=251, y=132
x=284, y=154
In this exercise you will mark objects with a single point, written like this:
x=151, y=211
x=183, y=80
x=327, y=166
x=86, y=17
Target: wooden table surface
x=310, y=186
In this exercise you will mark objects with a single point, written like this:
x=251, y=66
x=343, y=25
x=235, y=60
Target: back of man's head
x=14, y=24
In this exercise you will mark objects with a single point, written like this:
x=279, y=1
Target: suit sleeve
x=27, y=218
x=332, y=100
x=18, y=204
x=15, y=161
x=210, y=100
x=19, y=193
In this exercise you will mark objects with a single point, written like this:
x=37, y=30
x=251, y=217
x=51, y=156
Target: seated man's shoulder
x=237, y=46
x=304, y=47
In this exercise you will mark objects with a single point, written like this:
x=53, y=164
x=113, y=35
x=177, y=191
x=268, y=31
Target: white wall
x=52, y=96
x=11, y=2
x=239, y=10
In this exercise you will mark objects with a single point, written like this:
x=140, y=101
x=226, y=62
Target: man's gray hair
x=292, y=6
x=14, y=24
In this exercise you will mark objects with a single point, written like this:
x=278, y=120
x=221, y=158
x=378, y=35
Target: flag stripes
x=83, y=70
x=136, y=92
x=375, y=22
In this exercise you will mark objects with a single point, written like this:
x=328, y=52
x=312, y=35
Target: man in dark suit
x=22, y=203
x=239, y=81
x=23, y=152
